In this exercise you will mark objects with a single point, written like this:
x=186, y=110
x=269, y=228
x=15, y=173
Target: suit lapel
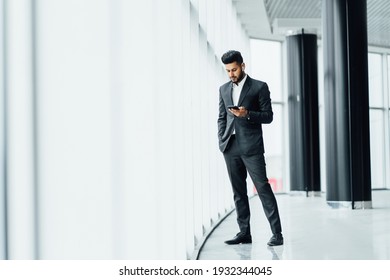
x=245, y=90
x=229, y=95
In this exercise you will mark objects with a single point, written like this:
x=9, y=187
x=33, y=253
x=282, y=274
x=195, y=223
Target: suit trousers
x=238, y=165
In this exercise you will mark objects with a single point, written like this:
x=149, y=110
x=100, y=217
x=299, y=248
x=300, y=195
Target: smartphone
x=233, y=107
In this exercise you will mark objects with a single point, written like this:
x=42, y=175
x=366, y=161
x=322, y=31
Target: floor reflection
x=276, y=252
x=243, y=251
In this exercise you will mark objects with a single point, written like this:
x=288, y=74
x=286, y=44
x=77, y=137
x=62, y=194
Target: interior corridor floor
x=312, y=231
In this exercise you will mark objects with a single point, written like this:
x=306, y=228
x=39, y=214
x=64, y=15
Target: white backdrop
x=122, y=161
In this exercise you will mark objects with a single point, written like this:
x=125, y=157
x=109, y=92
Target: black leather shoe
x=276, y=240
x=240, y=238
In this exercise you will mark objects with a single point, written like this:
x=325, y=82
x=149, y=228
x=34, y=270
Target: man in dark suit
x=241, y=142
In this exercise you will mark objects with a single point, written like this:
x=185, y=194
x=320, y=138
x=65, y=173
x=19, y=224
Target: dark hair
x=232, y=56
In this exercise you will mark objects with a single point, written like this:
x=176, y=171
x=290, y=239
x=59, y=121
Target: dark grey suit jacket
x=255, y=97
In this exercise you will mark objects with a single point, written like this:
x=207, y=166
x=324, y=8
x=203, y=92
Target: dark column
x=346, y=103
x=303, y=113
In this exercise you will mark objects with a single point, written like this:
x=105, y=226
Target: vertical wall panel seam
x=35, y=126
x=5, y=131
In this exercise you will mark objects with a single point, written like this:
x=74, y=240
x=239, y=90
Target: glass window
x=273, y=144
x=377, y=148
x=388, y=81
x=266, y=65
x=377, y=121
x=387, y=125
x=375, y=80
x=321, y=115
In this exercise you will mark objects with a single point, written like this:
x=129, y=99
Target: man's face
x=235, y=71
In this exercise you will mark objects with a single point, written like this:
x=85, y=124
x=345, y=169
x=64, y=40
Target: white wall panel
x=164, y=76
x=128, y=159
x=186, y=138
x=203, y=116
x=3, y=207
x=140, y=130
x=195, y=124
x=74, y=120
x=21, y=195
x=178, y=64
x=118, y=124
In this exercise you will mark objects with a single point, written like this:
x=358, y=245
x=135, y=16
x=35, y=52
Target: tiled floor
x=312, y=231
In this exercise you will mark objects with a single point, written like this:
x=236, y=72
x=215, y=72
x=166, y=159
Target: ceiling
x=273, y=19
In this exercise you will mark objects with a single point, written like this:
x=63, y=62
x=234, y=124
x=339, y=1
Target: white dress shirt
x=236, y=92
x=237, y=88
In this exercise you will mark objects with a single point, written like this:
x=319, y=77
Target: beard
x=238, y=79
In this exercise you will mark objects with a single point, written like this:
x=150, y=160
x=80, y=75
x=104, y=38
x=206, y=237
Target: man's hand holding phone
x=240, y=112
